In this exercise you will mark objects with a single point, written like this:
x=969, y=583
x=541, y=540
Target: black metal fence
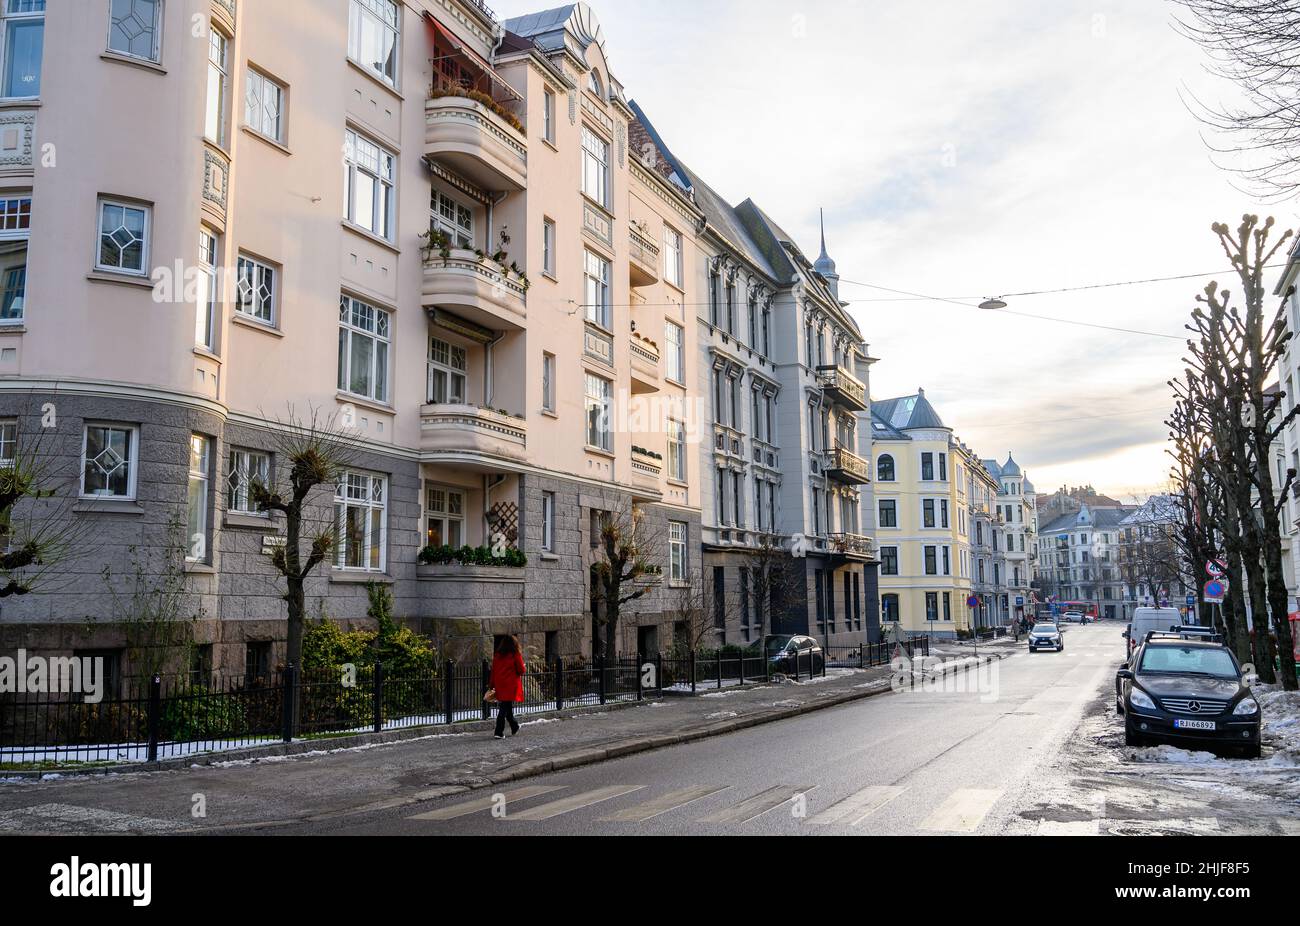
x=165, y=716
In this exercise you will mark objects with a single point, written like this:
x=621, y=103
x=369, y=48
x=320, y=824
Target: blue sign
x=1191, y=600
x=1214, y=590
x=972, y=602
x=1020, y=601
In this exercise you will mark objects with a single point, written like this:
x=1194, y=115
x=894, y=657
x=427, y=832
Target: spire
x=824, y=265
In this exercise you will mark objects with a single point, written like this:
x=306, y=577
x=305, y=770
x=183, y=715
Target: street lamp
x=992, y=305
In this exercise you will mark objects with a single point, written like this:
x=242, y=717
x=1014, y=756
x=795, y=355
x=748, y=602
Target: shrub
x=201, y=714
x=471, y=556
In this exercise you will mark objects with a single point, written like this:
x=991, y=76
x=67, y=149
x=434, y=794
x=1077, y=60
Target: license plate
x=1194, y=724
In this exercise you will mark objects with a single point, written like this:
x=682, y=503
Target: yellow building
x=927, y=488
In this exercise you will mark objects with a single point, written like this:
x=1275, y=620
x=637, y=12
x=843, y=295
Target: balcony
x=645, y=365
x=476, y=142
x=474, y=288
x=469, y=434
x=845, y=466
x=643, y=265
x=842, y=386
x=853, y=547
x=647, y=468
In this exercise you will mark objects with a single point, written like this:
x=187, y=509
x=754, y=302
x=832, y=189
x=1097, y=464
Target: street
x=1039, y=758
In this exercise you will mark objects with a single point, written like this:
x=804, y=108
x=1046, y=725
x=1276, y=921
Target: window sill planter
x=359, y=577
x=454, y=572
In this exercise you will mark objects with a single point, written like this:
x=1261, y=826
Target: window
x=548, y=383
x=444, y=517
x=23, y=24
x=715, y=281
x=123, y=238
x=676, y=450
x=548, y=247
x=593, y=84
x=673, y=272
x=889, y=561
x=108, y=460
x=675, y=338
x=363, y=349
x=927, y=467
x=931, y=606
x=255, y=289
x=931, y=561
x=447, y=369
x=368, y=184
x=198, y=497
x=135, y=28
x=214, y=124
x=927, y=512
x=453, y=219
x=597, y=290
x=677, y=551
x=360, y=519
x=888, y=512
x=15, y=233
x=205, y=309
x=373, y=28
x=246, y=467
x=548, y=115
x=548, y=522
x=943, y=467
x=943, y=512
x=595, y=167
x=947, y=606
x=598, y=399
x=885, y=468
x=8, y=442
x=264, y=106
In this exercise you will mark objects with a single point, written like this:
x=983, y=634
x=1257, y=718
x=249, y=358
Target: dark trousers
x=506, y=713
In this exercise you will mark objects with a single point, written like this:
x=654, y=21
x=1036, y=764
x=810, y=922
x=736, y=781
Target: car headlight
x=1138, y=698
x=1246, y=707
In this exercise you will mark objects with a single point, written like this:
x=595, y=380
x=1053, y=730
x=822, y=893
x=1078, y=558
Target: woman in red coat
x=508, y=681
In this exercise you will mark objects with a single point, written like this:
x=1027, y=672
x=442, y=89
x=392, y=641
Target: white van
x=1146, y=620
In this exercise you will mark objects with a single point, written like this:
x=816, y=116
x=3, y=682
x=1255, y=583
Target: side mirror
x=1125, y=674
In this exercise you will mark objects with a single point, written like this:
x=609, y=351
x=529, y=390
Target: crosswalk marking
x=661, y=805
x=759, y=804
x=574, y=802
x=486, y=803
x=857, y=807
x=963, y=811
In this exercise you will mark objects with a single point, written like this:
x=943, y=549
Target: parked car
x=1187, y=692
x=1146, y=620
x=1045, y=634
x=1074, y=617
x=782, y=651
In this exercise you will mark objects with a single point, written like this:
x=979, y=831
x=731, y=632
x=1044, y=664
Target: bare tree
x=1255, y=44
x=697, y=611
x=627, y=549
x=315, y=452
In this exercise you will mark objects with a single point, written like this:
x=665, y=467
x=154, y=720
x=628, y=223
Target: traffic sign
x=1215, y=589
x=1191, y=600
x=1216, y=569
x=972, y=602
x=1020, y=601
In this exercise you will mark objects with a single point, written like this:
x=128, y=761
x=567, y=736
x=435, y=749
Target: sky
x=967, y=149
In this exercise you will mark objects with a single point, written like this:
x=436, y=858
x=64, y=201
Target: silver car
x=1046, y=635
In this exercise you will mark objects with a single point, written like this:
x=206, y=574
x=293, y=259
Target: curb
x=593, y=755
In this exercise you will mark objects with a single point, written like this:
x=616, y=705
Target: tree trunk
x=1235, y=612
x=1278, y=606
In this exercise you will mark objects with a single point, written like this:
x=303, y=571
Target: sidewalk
x=323, y=783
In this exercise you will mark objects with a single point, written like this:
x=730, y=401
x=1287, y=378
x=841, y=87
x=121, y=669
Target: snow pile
x=1281, y=722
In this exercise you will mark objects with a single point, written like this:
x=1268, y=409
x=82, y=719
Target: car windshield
x=1189, y=660
x=776, y=644
x=1044, y=627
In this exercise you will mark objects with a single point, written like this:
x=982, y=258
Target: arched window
x=593, y=84
x=885, y=468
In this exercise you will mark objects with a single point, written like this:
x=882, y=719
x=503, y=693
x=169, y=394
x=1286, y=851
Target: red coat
x=508, y=677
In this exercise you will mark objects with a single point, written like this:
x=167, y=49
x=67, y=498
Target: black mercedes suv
x=1189, y=693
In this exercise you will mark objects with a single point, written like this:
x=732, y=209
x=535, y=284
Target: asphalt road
x=934, y=761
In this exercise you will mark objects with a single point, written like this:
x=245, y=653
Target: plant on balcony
x=436, y=239
x=641, y=451
x=455, y=90
x=471, y=556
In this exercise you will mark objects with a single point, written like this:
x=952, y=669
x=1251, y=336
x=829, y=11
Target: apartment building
x=411, y=219
x=1288, y=444
x=986, y=564
x=1079, y=559
x=1017, y=503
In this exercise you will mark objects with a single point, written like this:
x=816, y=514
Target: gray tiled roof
x=908, y=412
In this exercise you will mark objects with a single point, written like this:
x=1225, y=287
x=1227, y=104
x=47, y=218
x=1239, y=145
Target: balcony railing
x=647, y=468
x=856, y=547
x=843, y=387
x=843, y=465
x=645, y=365
x=476, y=288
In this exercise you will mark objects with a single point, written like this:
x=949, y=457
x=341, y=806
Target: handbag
x=490, y=694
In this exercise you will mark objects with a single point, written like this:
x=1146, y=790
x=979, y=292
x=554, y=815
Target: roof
x=547, y=28
x=1095, y=519
x=907, y=413
x=1158, y=509
x=881, y=429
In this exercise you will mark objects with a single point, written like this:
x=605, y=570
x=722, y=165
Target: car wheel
x=1132, y=737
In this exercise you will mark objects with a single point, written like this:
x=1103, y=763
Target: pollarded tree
x=627, y=549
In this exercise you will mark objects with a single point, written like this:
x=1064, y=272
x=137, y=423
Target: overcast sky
x=967, y=148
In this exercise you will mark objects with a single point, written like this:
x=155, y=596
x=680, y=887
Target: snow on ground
x=1281, y=736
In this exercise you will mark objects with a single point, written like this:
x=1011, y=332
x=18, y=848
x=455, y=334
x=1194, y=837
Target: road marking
x=857, y=807
x=754, y=807
x=70, y=818
x=639, y=813
x=575, y=802
x=486, y=803
x=963, y=811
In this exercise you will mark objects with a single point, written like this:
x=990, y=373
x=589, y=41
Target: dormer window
x=594, y=85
